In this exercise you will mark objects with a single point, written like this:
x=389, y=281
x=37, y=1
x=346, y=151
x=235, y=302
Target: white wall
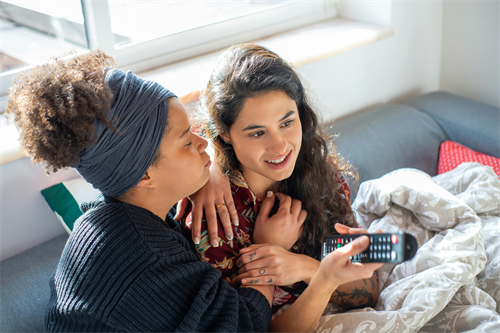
x=470, y=50
x=394, y=69
x=25, y=218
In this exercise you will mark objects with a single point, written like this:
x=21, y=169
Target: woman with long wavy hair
x=268, y=140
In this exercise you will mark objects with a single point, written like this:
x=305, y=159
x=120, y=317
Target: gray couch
x=376, y=142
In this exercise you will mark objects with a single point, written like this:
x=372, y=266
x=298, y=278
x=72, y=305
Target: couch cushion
x=473, y=124
x=24, y=287
x=452, y=154
x=388, y=138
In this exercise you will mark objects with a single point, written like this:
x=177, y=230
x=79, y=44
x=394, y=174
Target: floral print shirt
x=225, y=256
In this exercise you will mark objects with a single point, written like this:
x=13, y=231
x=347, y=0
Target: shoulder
x=117, y=226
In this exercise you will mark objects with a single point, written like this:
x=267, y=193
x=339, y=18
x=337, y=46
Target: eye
x=189, y=144
x=287, y=123
x=257, y=134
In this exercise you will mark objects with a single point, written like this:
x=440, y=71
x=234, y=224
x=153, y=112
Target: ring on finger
x=220, y=205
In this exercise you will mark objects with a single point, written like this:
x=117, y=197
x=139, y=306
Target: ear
x=145, y=181
x=225, y=137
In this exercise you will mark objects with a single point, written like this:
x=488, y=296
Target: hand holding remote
x=384, y=247
x=336, y=268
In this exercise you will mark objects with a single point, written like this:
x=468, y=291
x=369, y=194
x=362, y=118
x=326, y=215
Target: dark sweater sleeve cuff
x=260, y=301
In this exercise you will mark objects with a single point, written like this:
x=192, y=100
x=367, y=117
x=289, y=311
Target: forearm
x=303, y=315
x=357, y=294
x=309, y=267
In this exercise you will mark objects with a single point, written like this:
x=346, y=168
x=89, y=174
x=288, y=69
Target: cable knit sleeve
x=189, y=297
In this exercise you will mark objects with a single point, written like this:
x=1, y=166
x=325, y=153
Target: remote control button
x=394, y=255
x=339, y=245
x=339, y=240
x=394, y=239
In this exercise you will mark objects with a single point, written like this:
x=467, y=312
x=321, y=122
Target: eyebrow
x=251, y=127
x=185, y=132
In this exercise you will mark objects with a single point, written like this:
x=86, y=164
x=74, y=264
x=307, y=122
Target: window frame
x=142, y=56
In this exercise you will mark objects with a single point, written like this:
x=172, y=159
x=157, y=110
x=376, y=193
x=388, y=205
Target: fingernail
x=215, y=243
x=197, y=240
x=236, y=222
x=230, y=236
x=269, y=194
x=364, y=241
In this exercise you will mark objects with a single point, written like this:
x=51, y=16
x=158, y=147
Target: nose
x=277, y=144
x=202, y=143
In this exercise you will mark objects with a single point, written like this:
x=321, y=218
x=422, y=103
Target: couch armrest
x=473, y=124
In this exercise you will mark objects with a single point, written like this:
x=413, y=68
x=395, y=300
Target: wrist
x=322, y=284
x=310, y=267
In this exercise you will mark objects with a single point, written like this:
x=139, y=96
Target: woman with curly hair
x=267, y=138
x=127, y=266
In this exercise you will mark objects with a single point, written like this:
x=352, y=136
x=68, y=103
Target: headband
x=139, y=111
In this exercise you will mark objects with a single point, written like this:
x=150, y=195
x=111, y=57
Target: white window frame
x=161, y=51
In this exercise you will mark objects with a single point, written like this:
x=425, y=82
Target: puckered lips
x=279, y=162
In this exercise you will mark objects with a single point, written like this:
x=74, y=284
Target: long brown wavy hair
x=246, y=71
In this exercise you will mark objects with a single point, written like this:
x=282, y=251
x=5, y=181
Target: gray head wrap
x=117, y=162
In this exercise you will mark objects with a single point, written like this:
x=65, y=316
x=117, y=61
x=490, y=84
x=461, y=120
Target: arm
x=336, y=269
x=357, y=294
x=181, y=293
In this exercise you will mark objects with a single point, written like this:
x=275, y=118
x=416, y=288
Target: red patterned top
x=225, y=256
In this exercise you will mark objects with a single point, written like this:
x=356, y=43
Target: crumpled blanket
x=453, y=282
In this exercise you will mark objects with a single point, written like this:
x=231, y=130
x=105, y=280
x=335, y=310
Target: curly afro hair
x=54, y=107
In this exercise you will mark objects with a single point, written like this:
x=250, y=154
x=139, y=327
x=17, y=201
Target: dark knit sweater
x=125, y=269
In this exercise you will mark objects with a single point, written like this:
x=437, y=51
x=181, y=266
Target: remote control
x=387, y=248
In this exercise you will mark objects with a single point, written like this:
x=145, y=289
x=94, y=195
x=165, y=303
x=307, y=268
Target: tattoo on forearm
x=372, y=281
x=270, y=280
x=251, y=255
x=355, y=299
x=262, y=271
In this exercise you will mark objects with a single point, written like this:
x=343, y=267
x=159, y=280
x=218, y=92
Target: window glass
x=34, y=31
x=138, y=21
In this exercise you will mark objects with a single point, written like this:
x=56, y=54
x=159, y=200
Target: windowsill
x=300, y=47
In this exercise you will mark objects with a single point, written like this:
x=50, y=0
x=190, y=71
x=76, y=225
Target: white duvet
x=453, y=282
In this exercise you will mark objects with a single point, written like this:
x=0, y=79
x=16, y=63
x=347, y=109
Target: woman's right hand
x=336, y=268
x=284, y=227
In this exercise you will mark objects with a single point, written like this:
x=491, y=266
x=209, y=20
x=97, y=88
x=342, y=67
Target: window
x=142, y=34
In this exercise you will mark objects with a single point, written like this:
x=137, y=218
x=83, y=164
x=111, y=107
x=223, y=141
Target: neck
x=259, y=185
x=147, y=199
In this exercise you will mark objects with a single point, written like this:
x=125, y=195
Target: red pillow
x=452, y=154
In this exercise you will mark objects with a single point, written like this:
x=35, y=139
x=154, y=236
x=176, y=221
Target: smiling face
x=266, y=138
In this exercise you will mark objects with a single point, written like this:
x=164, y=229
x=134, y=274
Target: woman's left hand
x=267, y=264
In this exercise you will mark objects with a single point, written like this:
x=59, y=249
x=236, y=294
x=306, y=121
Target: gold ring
x=222, y=204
